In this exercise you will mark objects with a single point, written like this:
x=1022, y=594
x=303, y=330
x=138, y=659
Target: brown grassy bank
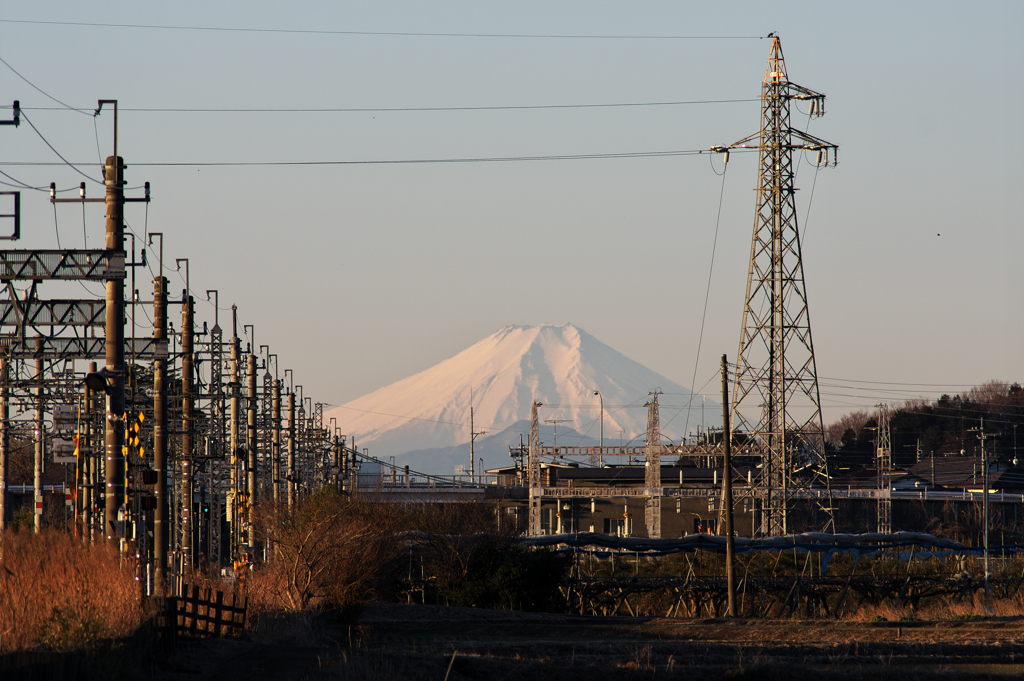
x=60, y=594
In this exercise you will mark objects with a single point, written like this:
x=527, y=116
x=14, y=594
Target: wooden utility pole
x=730, y=543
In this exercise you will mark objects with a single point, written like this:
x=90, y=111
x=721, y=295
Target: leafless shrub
x=325, y=551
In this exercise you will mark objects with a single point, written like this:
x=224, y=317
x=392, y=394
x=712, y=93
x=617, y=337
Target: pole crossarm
x=52, y=313
x=85, y=265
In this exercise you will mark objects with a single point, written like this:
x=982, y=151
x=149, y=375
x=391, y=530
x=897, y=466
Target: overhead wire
x=707, y=295
x=415, y=34
x=54, y=150
x=24, y=185
x=37, y=88
x=404, y=109
x=481, y=159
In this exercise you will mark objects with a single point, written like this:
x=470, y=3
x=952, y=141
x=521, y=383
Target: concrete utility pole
x=5, y=440
x=533, y=471
x=39, y=441
x=473, y=435
x=275, y=445
x=984, y=463
x=730, y=542
x=336, y=463
x=601, y=445
x=236, y=482
x=92, y=433
x=114, y=436
x=187, y=443
x=291, y=449
x=251, y=434
x=160, y=534
x=652, y=470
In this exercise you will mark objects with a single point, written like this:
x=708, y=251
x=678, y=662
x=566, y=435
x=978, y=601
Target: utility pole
x=114, y=436
x=776, y=372
x=5, y=439
x=291, y=449
x=275, y=445
x=730, y=541
x=40, y=442
x=533, y=470
x=984, y=463
x=252, y=445
x=652, y=470
x=236, y=483
x=187, y=444
x=601, y=445
x=982, y=436
x=83, y=510
x=95, y=523
x=472, y=438
x=160, y=534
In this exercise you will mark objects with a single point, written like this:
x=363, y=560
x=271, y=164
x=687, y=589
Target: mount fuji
x=424, y=420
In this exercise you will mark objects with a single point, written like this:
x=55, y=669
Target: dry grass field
x=390, y=641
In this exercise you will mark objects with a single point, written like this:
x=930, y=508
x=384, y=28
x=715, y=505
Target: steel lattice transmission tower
x=776, y=378
x=883, y=461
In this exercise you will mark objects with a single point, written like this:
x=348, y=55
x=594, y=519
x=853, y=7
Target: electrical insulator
x=53, y=190
x=725, y=156
x=821, y=154
x=679, y=505
x=593, y=505
x=81, y=189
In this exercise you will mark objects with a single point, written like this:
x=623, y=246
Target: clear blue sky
x=357, y=276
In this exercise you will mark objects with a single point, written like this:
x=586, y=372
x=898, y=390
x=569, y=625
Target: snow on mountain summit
x=560, y=366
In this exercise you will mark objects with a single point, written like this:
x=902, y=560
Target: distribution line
x=412, y=161
x=239, y=29
x=511, y=107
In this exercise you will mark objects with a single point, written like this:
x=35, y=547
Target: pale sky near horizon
x=360, y=275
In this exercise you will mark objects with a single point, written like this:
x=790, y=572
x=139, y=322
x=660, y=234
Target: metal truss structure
x=652, y=491
x=776, y=402
x=883, y=461
x=156, y=463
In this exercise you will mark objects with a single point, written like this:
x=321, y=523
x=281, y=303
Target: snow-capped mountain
x=560, y=366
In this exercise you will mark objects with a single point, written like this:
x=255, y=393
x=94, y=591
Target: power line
x=71, y=108
x=523, y=107
x=59, y=155
x=481, y=159
x=299, y=31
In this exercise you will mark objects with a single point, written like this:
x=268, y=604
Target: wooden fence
x=202, y=613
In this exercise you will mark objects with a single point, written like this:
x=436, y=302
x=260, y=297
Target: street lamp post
x=601, y=455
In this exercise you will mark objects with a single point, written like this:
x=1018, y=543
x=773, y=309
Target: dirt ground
x=389, y=641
